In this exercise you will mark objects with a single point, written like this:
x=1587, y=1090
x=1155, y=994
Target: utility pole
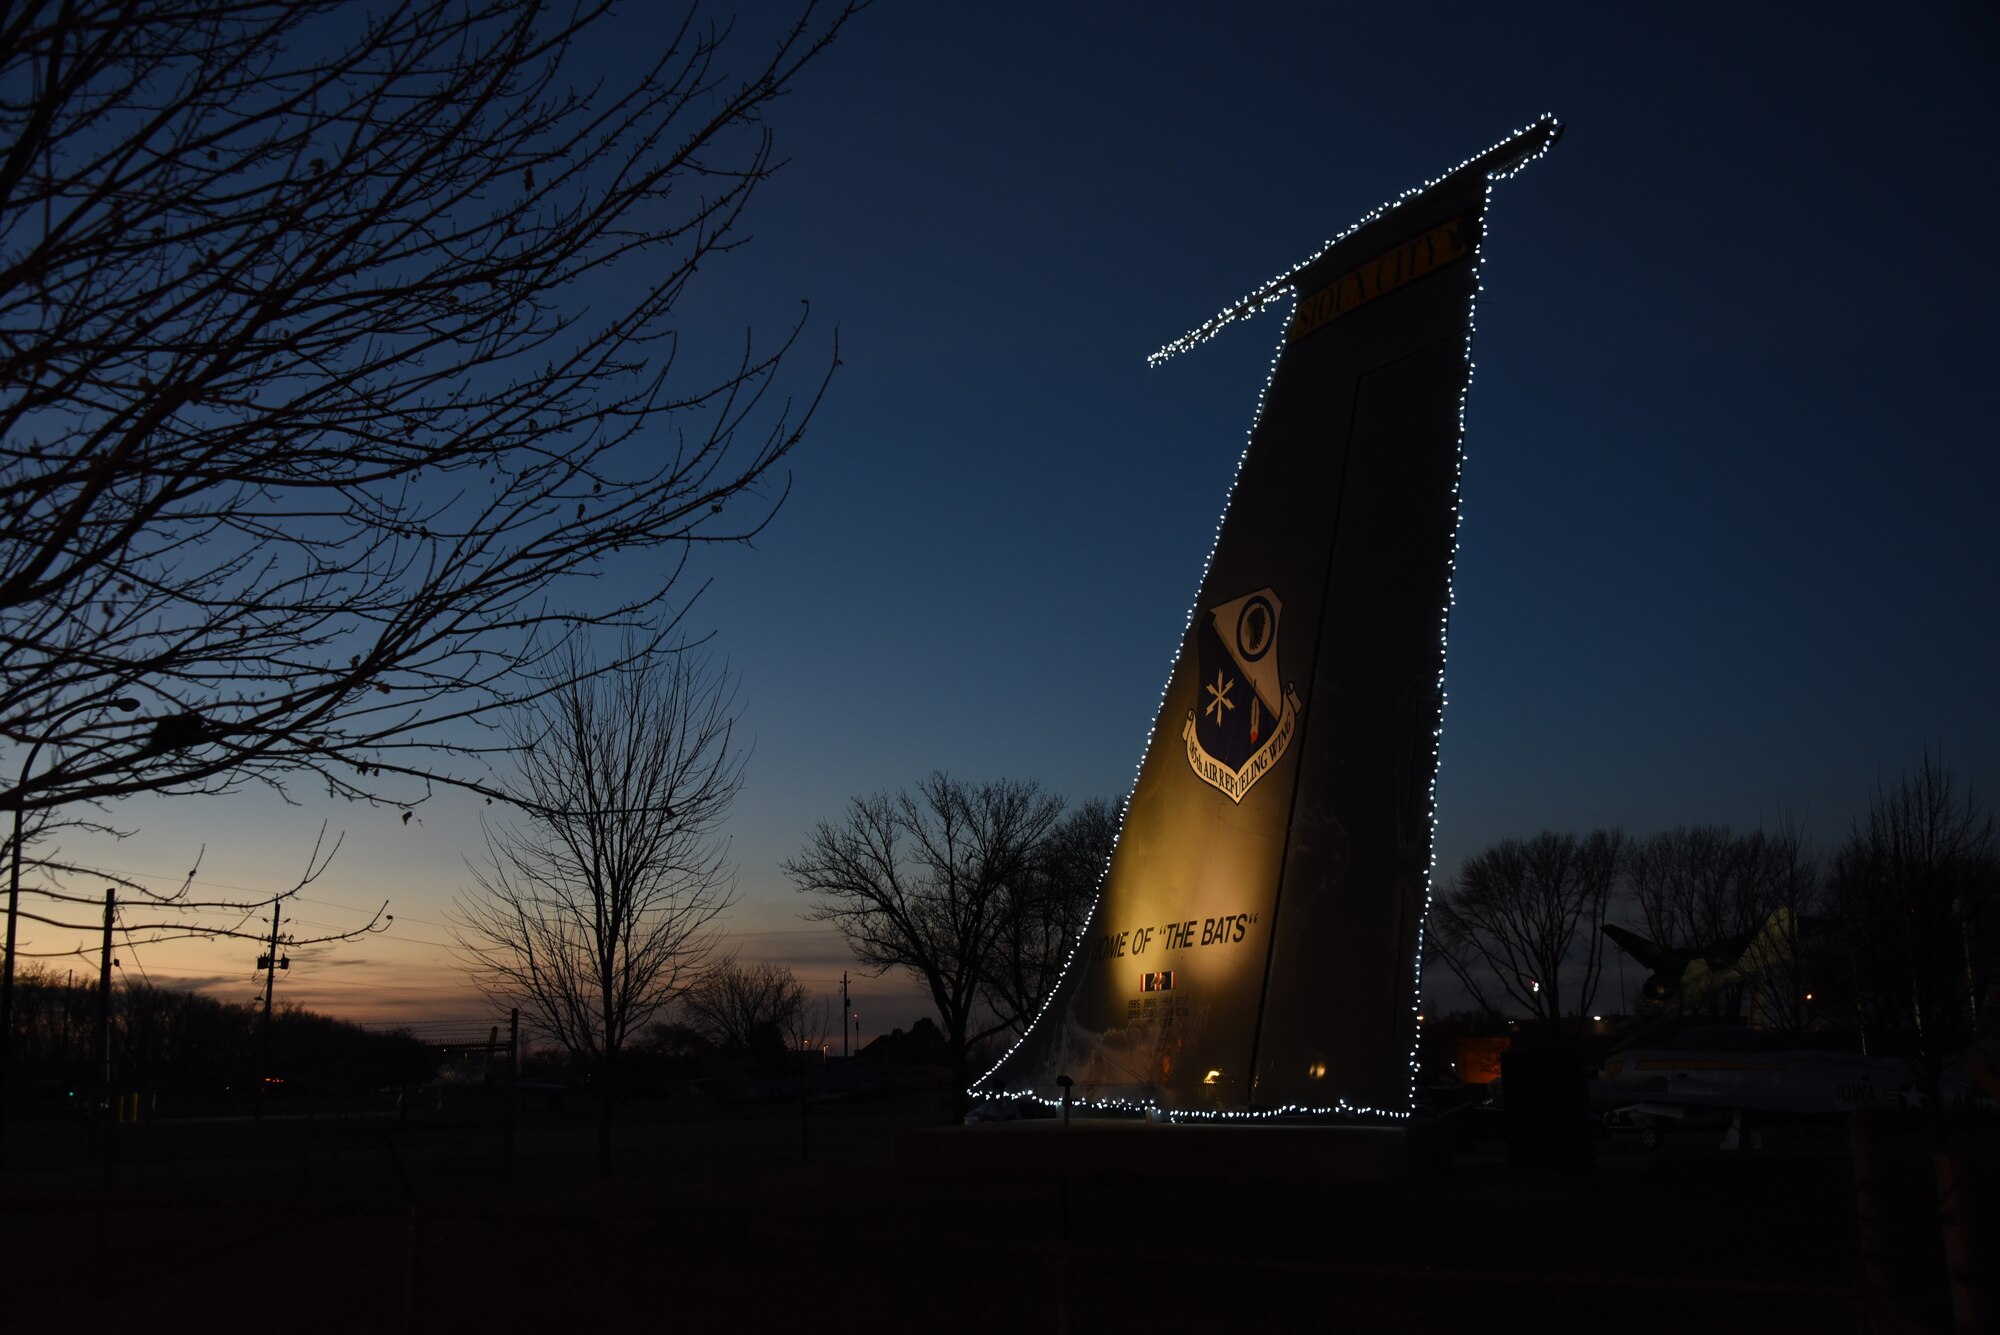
x=103, y=1057
x=843, y=1013
x=48, y=732
x=101, y=1062
x=269, y=964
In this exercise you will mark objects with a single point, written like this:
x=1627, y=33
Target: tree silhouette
x=1750, y=897
x=747, y=1009
x=921, y=881
x=598, y=907
x=1045, y=912
x=334, y=340
x=1917, y=887
x=1521, y=922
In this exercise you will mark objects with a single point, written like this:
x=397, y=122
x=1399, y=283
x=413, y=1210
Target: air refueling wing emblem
x=1245, y=715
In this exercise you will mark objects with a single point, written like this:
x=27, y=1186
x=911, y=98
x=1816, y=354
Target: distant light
x=1211, y=1077
x=1597, y=1017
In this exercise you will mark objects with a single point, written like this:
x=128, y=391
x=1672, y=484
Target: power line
x=260, y=893
x=365, y=913
x=419, y=940
x=132, y=949
x=185, y=973
x=180, y=880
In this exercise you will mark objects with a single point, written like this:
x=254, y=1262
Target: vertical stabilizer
x=1254, y=946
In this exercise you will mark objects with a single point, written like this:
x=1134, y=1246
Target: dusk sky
x=1726, y=551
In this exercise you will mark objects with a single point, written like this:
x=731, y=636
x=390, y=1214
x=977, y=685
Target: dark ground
x=300, y=1225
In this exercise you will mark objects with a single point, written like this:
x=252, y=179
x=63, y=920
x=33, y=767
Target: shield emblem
x=1245, y=715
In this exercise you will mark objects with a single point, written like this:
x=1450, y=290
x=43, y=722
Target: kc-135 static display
x=1254, y=947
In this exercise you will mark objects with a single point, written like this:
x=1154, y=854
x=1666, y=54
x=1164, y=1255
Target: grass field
x=762, y=1220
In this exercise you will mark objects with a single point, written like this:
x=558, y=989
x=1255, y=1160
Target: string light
x=1278, y=287
x=1284, y=288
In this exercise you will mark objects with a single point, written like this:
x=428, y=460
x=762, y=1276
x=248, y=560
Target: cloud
x=324, y=961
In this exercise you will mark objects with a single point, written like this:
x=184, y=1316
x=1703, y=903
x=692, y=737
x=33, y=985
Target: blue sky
x=1726, y=545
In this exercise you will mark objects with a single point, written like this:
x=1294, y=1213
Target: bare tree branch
x=1917, y=887
x=1751, y=897
x=599, y=908
x=1521, y=923
x=747, y=1010
x=1044, y=913
x=335, y=342
x=921, y=881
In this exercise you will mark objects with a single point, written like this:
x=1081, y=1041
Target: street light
x=123, y=702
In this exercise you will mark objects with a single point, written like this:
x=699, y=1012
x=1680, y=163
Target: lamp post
x=123, y=702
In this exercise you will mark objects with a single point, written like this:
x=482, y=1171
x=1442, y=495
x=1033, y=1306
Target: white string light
x=1284, y=287
x=1276, y=288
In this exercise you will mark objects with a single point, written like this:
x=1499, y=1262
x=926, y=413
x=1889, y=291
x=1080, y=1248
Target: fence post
x=513, y=1094
x=412, y=1287
x=1868, y=1215
x=1968, y=1285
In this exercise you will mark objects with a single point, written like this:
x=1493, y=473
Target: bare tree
x=1044, y=913
x=1786, y=958
x=1520, y=923
x=1917, y=886
x=810, y=1024
x=1689, y=885
x=674, y=1040
x=148, y=916
x=920, y=881
x=332, y=336
x=746, y=1010
x=1743, y=905
x=599, y=906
